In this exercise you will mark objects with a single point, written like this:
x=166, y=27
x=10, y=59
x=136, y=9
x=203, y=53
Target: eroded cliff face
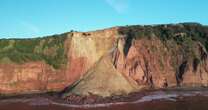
x=156, y=61
x=117, y=61
x=30, y=78
x=86, y=49
x=152, y=64
x=83, y=51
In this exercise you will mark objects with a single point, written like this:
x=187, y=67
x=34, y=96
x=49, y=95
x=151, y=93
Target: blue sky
x=34, y=18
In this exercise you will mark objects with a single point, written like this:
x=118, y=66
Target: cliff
x=107, y=62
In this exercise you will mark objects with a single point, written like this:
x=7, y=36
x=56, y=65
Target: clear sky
x=33, y=18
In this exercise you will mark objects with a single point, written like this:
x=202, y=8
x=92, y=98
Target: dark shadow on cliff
x=180, y=72
x=128, y=37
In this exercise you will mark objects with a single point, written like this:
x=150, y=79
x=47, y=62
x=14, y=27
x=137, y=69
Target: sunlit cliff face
x=113, y=61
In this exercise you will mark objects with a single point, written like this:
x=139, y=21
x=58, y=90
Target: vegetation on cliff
x=49, y=49
x=185, y=43
x=112, y=61
x=184, y=36
x=180, y=33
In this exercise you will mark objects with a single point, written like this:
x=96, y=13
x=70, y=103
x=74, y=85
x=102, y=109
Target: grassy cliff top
x=49, y=49
x=187, y=41
x=180, y=33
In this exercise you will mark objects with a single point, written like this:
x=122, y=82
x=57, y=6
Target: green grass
x=184, y=34
x=49, y=49
x=179, y=39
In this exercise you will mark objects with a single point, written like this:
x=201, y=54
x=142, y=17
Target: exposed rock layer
x=118, y=61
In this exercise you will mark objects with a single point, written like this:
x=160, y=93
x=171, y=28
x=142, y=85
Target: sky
x=36, y=18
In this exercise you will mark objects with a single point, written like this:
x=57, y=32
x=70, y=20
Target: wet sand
x=156, y=100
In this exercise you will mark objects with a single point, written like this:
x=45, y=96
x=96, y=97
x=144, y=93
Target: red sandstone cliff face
x=86, y=49
x=151, y=64
x=142, y=65
x=30, y=77
x=83, y=51
x=146, y=62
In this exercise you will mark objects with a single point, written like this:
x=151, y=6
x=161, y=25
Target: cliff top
x=51, y=50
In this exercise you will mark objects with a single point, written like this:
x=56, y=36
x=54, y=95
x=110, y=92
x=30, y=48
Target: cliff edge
x=107, y=62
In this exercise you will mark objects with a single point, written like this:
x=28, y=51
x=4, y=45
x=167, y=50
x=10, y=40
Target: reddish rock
x=147, y=62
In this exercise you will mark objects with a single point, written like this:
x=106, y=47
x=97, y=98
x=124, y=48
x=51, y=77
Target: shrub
x=25, y=50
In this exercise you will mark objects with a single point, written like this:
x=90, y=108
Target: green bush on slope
x=49, y=49
x=183, y=34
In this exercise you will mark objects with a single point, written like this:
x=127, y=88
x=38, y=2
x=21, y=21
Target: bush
x=23, y=50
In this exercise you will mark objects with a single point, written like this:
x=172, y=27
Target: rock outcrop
x=108, y=62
